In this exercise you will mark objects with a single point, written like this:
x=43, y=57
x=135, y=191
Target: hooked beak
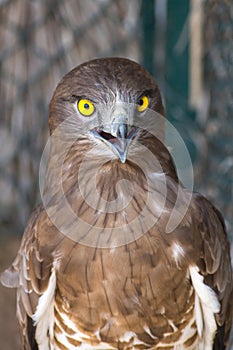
x=118, y=140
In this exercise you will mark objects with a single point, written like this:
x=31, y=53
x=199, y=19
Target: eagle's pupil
x=140, y=102
x=86, y=105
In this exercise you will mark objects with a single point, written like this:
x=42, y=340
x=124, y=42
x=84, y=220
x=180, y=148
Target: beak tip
x=123, y=158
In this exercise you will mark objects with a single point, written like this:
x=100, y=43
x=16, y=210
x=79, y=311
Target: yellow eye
x=142, y=104
x=86, y=107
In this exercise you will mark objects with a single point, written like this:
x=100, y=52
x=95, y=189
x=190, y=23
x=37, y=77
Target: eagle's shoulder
x=209, y=227
x=10, y=277
x=30, y=272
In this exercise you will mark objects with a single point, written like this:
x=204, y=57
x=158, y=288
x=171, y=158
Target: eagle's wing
x=214, y=262
x=30, y=274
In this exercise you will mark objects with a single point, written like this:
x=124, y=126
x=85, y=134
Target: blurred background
x=186, y=45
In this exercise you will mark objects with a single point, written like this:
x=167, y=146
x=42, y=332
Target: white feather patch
x=44, y=316
x=177, y=252
x=206, y=306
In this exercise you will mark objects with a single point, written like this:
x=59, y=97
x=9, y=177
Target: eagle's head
x=107, y=101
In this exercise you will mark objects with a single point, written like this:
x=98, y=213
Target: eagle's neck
x=104, y=197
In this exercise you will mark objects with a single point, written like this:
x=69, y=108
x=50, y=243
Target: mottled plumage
x=98, y=267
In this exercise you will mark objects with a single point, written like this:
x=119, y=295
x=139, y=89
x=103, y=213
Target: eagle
x=119, y=254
